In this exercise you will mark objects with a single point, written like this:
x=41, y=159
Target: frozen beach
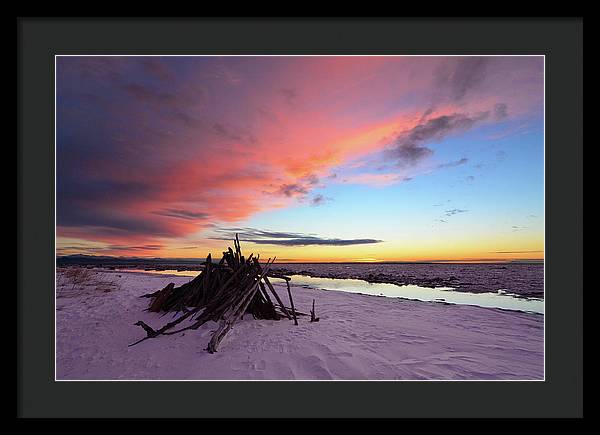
x=358, y=337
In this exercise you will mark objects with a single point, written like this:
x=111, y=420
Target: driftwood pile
x=222, y=292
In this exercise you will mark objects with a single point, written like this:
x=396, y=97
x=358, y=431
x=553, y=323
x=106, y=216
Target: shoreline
x=462, y=277
x=448, y=296
x=359, y=337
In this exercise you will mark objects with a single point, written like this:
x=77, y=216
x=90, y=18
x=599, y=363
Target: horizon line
x=307, y=261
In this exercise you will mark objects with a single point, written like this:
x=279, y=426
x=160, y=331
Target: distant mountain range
x=85, y=257
x=129, y=262
x=184, y=263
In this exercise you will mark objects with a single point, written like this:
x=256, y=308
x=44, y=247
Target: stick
x=292, y=303
x=264, y=292
x=312, y=313
x=153, y=334
x=157, y=303
x=277, y=297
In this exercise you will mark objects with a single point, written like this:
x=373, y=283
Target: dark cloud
x=409, y=147
x=410, y=153
x=305, y=241
x=453, y=163
x=229, y=233
x=311, y=179
x=459, y=76
x=101, y=204
x=293, y=189
x=285, y=238
x=319, y=200
x=112, y=222
x=454, y=211
x=300, y=189
x=183, y=214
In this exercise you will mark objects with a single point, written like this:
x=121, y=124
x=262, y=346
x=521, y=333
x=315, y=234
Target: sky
x=358, y=158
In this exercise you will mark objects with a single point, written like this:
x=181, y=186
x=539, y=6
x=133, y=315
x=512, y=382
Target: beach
x=358, y=337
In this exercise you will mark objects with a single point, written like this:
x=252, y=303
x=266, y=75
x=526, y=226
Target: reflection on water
x=439, y=294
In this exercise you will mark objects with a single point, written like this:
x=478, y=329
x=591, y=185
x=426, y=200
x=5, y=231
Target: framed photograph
x=312, y=217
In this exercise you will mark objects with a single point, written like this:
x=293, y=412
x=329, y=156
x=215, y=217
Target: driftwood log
x=222, y=292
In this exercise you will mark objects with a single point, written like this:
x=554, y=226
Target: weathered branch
x=313, y=317
x=292, y=303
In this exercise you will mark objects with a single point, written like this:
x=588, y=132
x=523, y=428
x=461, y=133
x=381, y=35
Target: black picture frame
x=560, y=40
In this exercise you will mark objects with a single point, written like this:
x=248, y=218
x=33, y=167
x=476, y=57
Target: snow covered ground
x=359, y=337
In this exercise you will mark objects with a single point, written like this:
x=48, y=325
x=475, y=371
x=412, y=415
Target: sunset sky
x=307, y=158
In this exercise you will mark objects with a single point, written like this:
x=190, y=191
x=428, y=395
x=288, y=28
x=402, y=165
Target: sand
x=359, y=337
